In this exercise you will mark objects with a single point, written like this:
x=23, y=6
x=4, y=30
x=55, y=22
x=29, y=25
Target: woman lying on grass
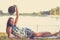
x=13, y=31
x=12, y=23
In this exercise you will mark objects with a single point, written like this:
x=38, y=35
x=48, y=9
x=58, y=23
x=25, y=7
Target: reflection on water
x=37, y=24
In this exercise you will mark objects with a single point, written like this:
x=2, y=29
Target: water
x=36, y=23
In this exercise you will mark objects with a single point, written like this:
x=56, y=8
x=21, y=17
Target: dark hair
x=11, y=9
x=8, y=22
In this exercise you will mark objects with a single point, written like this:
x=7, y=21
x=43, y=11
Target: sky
x=29, y=6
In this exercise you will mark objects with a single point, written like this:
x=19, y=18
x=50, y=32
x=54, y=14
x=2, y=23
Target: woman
x=11, y=23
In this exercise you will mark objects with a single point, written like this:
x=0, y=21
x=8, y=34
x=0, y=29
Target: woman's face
x=12, y=21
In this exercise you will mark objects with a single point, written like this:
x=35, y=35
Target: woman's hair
x=8, y=22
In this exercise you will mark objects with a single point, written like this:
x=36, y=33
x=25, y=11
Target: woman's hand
x=14, y=5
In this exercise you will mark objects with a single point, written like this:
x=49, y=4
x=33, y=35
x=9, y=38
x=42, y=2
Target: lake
x=36, y=23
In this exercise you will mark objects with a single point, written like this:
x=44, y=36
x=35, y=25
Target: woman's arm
x=16, y=9
x=9, y=31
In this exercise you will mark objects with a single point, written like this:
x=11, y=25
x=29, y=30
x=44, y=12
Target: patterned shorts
x=22, y=32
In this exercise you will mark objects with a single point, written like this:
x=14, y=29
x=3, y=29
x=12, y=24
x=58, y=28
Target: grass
x=3, y=36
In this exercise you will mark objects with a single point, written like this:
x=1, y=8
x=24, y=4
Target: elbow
x=17, y=17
